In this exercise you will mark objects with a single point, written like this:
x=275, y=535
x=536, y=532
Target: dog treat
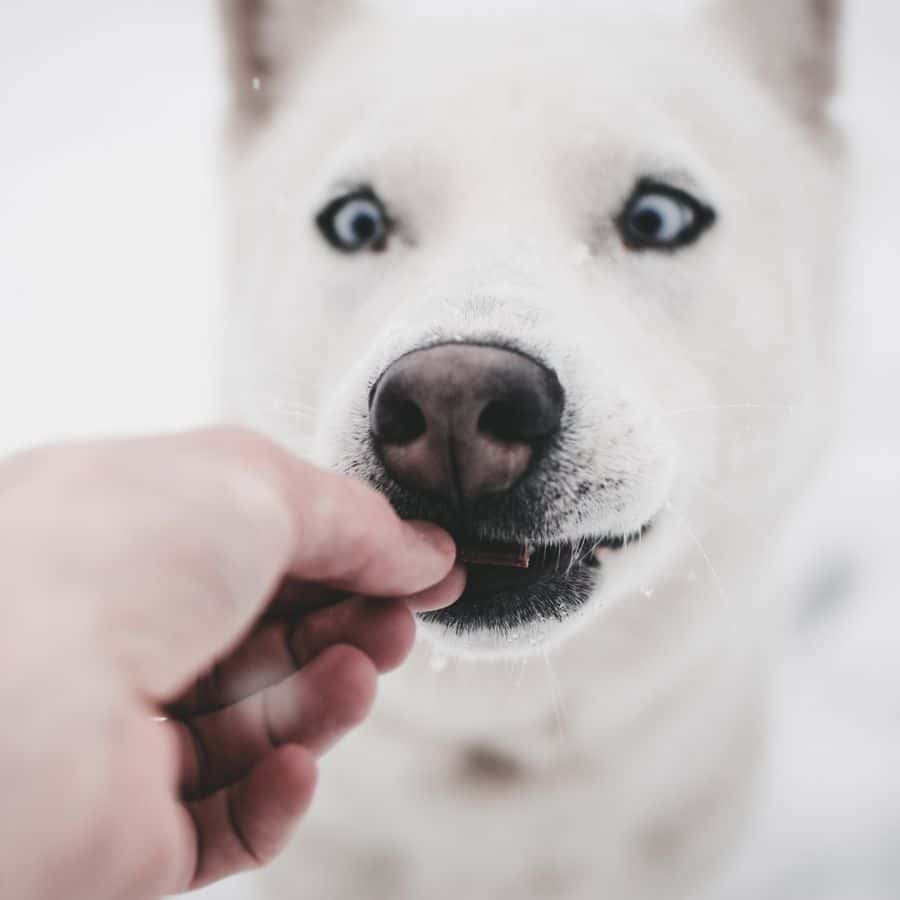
x=510, y=557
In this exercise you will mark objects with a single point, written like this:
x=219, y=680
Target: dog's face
x=560, y=285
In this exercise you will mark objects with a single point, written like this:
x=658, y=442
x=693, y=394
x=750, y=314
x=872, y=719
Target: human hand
x=185, y=577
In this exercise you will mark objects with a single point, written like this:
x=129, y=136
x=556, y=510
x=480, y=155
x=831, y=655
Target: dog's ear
x=266, y=39
x=793, y=45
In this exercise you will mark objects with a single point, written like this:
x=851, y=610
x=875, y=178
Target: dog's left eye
x=660, y=217
x=355, y=222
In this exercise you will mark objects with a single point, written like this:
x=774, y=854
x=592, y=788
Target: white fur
x=702, y=379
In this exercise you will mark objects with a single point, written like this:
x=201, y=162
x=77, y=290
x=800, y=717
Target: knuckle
x=261, y=517
x=358, y=551
x=256, y=479
x=241, y=521
x=257, y=499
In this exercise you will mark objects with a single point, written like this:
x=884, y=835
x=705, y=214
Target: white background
x=109, y=277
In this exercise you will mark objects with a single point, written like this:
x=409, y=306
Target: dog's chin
x=513, y=610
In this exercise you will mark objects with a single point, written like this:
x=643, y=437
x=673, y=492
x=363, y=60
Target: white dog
x=565, y=286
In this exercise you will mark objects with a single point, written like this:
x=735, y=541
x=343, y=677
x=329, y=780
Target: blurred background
x=110, y=273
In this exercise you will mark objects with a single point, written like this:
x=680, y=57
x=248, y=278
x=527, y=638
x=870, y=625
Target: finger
x=442, y=595
x=246, y=825
x=344, y=533
x=314, y=708
x=382, y=629
x=294, y=595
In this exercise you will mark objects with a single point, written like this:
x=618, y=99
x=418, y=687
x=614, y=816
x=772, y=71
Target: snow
x=109, y=273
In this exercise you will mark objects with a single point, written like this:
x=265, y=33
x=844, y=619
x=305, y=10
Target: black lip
x=560, y=580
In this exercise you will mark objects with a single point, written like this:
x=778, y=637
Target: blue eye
x=659, y=217
x=355, y=222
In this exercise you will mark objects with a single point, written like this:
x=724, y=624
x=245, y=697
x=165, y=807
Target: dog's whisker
x=720, y=587
x=704, y=485
x=576, y=555
x=278, y=404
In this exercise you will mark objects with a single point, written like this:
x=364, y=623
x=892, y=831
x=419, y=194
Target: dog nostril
x=396, y=419
x=504, y=422
x=526, y=411
x=517, y=420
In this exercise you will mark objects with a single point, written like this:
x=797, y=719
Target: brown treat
x=509, y=557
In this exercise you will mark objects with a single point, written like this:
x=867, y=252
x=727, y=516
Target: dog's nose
x=464, y=420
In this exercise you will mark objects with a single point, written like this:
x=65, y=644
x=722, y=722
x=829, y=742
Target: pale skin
x=188, y=623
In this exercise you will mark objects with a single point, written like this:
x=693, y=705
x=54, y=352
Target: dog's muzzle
x=460, y=430
x=468, y=436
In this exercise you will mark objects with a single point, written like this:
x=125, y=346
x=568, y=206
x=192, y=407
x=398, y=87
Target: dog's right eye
x=661, y=217
x=355, y=222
